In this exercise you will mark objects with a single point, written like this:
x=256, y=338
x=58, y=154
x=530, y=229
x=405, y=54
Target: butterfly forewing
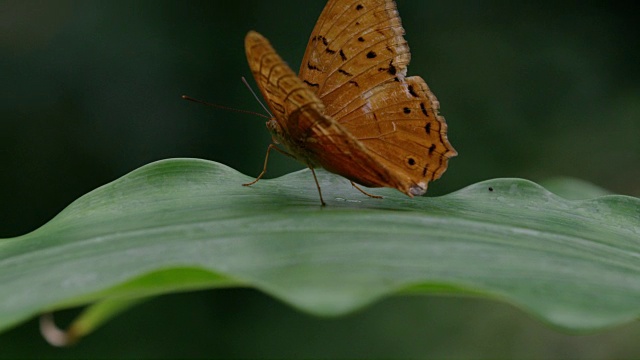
x=276, y=80
x=355, y=46
x=307, y=134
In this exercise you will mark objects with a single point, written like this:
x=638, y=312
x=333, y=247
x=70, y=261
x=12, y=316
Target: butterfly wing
x=299, y=122
x=355, y=46
x=356, y=62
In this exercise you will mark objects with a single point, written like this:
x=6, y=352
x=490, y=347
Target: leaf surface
x=184, y=224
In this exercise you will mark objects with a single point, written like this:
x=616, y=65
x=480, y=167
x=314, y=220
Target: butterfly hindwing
x=400, y=124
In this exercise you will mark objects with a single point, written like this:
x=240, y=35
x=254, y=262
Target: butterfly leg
x=318, y=185
x=364, y=192
x=266, y=160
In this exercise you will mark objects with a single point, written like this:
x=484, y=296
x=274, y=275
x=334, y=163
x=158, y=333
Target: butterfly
x=352, y=109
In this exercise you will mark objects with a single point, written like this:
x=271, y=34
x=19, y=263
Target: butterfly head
x=276, y=130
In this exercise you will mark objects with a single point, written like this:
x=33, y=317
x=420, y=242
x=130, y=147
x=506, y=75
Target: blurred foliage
x=91, y=90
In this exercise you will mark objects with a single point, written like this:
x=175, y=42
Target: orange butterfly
x=352, y=110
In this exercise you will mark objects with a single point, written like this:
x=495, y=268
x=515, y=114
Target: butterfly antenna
x=224, y=107
x=256, y=96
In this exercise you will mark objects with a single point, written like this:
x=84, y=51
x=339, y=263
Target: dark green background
x=91, y=90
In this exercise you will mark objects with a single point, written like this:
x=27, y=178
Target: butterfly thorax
x=293, y=146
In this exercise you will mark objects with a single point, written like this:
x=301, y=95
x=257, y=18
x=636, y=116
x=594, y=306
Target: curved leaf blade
x=573, y=264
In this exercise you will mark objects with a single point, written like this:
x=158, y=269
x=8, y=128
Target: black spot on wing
x=392, y=69
x=432, y=148
x=371, y=54
x=412, y=91
x=424, y=110
x=344, y=72
x=342, y=55
x=311, y=84
x=427, y=128
x=321, y=38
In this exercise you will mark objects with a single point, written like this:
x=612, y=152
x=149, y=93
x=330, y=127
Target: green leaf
x=185, y=224
x=574, y=189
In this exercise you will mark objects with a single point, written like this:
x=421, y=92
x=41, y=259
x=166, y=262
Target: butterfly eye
x=273, y=126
